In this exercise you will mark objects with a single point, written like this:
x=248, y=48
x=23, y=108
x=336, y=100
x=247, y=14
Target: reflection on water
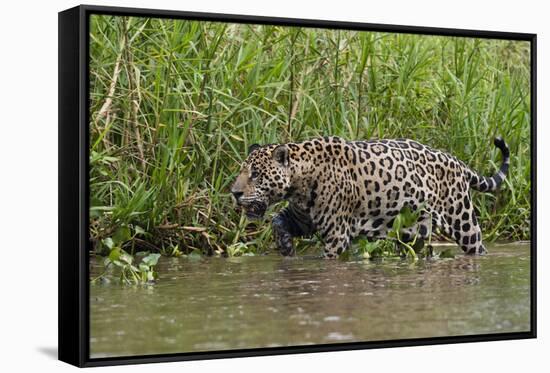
x=266, y=301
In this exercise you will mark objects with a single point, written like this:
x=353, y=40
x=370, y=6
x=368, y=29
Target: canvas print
x=259, y=186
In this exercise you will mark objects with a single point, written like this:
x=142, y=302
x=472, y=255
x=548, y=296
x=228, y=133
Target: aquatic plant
x=128, y=269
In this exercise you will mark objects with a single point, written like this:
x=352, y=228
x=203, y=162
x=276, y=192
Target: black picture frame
x=74, y=190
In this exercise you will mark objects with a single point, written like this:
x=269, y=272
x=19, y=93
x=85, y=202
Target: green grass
x=174, y=105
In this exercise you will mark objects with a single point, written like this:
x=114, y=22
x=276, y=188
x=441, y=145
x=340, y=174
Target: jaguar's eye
x=254, y=174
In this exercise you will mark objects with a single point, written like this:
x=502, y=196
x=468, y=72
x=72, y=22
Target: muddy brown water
x=266, y=301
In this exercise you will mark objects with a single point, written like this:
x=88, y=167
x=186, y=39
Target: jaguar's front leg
x=282, y=232
x=337, y=240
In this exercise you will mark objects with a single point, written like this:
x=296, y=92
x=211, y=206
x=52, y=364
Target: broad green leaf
x=108, y=242
x=122, y=234
x=151, y=259
x=125, y=257
x=397, y=223
x=139, y=230
x=114, y=255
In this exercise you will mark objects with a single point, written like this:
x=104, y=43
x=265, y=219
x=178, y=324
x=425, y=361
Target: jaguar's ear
x=280, y=154
x=253, y=147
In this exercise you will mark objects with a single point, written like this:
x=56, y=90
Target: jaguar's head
x=264, y=179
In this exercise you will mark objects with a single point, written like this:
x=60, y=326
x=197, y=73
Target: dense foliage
x=174, y=104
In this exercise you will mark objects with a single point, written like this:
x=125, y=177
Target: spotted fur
x=343, y=189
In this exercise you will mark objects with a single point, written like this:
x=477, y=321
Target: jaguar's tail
x=490, y=184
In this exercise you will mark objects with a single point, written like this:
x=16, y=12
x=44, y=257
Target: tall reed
x=174, y=104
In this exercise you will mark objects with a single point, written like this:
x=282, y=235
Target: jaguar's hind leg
x=464, y=228
x=470, y=240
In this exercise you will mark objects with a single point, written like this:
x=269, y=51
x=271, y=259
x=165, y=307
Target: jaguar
x=342, y=189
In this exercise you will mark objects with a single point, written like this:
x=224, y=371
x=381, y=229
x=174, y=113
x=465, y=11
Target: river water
x=266, y=301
